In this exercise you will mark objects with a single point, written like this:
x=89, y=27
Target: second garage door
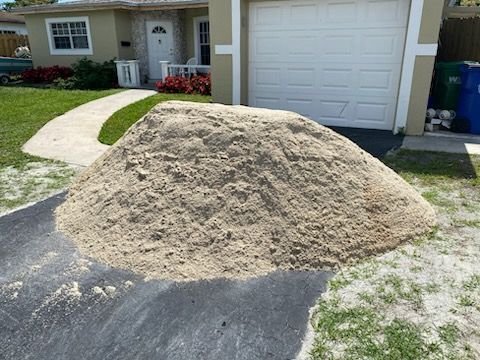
x=335, y=61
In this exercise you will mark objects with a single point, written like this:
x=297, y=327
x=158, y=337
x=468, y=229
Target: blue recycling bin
x=469, y=101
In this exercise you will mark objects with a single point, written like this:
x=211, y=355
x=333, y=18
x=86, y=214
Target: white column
x=236, y=58
x=412, y=50
x=121, y=73
x=164, y=65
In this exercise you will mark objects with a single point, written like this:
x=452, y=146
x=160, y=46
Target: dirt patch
x=198, y=191
x=32, y=182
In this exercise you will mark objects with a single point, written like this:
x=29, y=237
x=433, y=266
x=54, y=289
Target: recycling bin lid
x=453, y=64
x=470, y=67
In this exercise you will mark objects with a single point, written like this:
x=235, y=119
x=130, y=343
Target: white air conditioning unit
x=128, y=73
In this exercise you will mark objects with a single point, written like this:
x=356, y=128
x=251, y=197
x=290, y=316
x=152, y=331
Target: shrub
x=173, y=85
x=46, y=74
x=65, y=84
x=92, y=75
x=200, y=84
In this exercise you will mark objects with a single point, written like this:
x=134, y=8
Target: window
x=69, y=36
x=159, y=30
x=202, y=36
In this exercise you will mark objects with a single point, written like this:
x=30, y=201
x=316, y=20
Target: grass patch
x=466, y=301
x=434, y=197
x=360, y=332
x=467, y=223
x=120, y=122
x=25, y=110
x=434, y=168
x=473, y=283
x=392, y=287
x=361, y=271
x=449, y=333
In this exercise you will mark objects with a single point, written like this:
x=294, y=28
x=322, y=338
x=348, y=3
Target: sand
x=202, y=191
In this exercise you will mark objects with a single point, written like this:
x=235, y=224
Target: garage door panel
x=266, y=47
x=341, y=11
x=385, y=47
x=369, y=111
x=266, y=16
x=353, y=111
x=336, y=79
x=365, y=79
x=387, y=11
x=378, y=80
x=303, y=12
x=335, y=110
x=301, y=47
x=339, y=46
x=342, y=45
x=301, y=78
x=266, y=101
x=267, y=77
x=335, y=61
x=303, y=106
x=329, y=14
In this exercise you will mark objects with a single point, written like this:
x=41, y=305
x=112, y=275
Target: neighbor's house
x=101, y=30
x=12, y=24
x=453, y=9
x=355, y=63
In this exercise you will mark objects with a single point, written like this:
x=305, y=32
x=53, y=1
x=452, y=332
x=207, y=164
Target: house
x=12, y=24
x=355, y=63
x=101, y=30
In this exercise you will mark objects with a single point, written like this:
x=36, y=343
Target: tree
x=21, y=3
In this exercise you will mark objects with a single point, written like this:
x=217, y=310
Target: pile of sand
x=202, y=191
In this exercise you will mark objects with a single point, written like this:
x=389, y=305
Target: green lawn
x=23, y=111
x=120, y=122
x=436, y=168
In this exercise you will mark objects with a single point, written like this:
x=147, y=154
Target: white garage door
x=335, y=61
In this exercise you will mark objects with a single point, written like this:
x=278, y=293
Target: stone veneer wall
x=177, y=17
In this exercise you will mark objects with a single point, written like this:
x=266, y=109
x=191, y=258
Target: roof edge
x=119, y=4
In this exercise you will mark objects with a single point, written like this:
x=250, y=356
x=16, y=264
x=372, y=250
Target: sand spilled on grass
x=199, y=191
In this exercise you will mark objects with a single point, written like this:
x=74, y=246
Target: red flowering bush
x=173, y=85
x=46, y=74
x=200, y=84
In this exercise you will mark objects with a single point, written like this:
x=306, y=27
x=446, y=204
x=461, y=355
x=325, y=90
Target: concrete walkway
x=450, y=143
x=72, y=137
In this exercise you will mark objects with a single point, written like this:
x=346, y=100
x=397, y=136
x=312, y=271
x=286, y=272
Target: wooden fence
x=460, y=40
x=9, y=42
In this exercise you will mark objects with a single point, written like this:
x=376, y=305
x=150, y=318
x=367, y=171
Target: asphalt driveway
x=56, y=304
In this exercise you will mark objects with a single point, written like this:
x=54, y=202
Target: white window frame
x=51, y=44
x=196, y=23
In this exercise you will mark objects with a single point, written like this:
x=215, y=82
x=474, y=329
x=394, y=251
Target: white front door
x=335, y=61
x=160, y=46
